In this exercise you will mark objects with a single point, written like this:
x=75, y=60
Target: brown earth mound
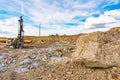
x=116, y=29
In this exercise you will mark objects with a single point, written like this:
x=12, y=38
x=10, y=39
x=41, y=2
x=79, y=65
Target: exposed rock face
x=99, y=49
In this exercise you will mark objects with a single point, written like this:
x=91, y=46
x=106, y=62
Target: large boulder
x=99, y=49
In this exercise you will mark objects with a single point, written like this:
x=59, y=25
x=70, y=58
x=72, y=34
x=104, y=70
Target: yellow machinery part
x=5, y=39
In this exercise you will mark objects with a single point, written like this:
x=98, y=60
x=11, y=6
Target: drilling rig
x=19, y=41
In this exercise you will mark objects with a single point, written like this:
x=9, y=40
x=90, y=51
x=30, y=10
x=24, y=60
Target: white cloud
x=62, y=31
x=9, y=28
x=53, y=14
x=113, y=13
x=31, y=30
x=91, y=24
x=105, y=21
x=102, y=19
x=46, y=12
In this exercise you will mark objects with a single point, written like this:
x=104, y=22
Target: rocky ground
x=24, y=61
x=61, y=60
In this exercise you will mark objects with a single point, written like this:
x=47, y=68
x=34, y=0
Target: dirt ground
x=49, y=59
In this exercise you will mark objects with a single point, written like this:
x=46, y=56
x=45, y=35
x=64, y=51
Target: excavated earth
x=58, y=60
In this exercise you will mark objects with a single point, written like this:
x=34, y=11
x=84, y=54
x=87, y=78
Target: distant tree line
x=56, y=35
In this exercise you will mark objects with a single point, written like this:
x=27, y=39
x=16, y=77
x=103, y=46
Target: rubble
x=2, y=57
x=22, y=60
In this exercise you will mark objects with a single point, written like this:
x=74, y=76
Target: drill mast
x=20, y=36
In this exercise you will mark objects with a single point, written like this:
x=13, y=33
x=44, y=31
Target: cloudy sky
x=58, y=16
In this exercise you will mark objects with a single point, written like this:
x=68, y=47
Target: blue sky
x=58, y=16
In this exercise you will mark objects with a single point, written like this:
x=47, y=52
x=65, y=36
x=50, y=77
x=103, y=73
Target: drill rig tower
x=20, y=37
x=19, y=41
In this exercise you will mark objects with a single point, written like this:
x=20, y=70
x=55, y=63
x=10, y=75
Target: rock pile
x=99, y=49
